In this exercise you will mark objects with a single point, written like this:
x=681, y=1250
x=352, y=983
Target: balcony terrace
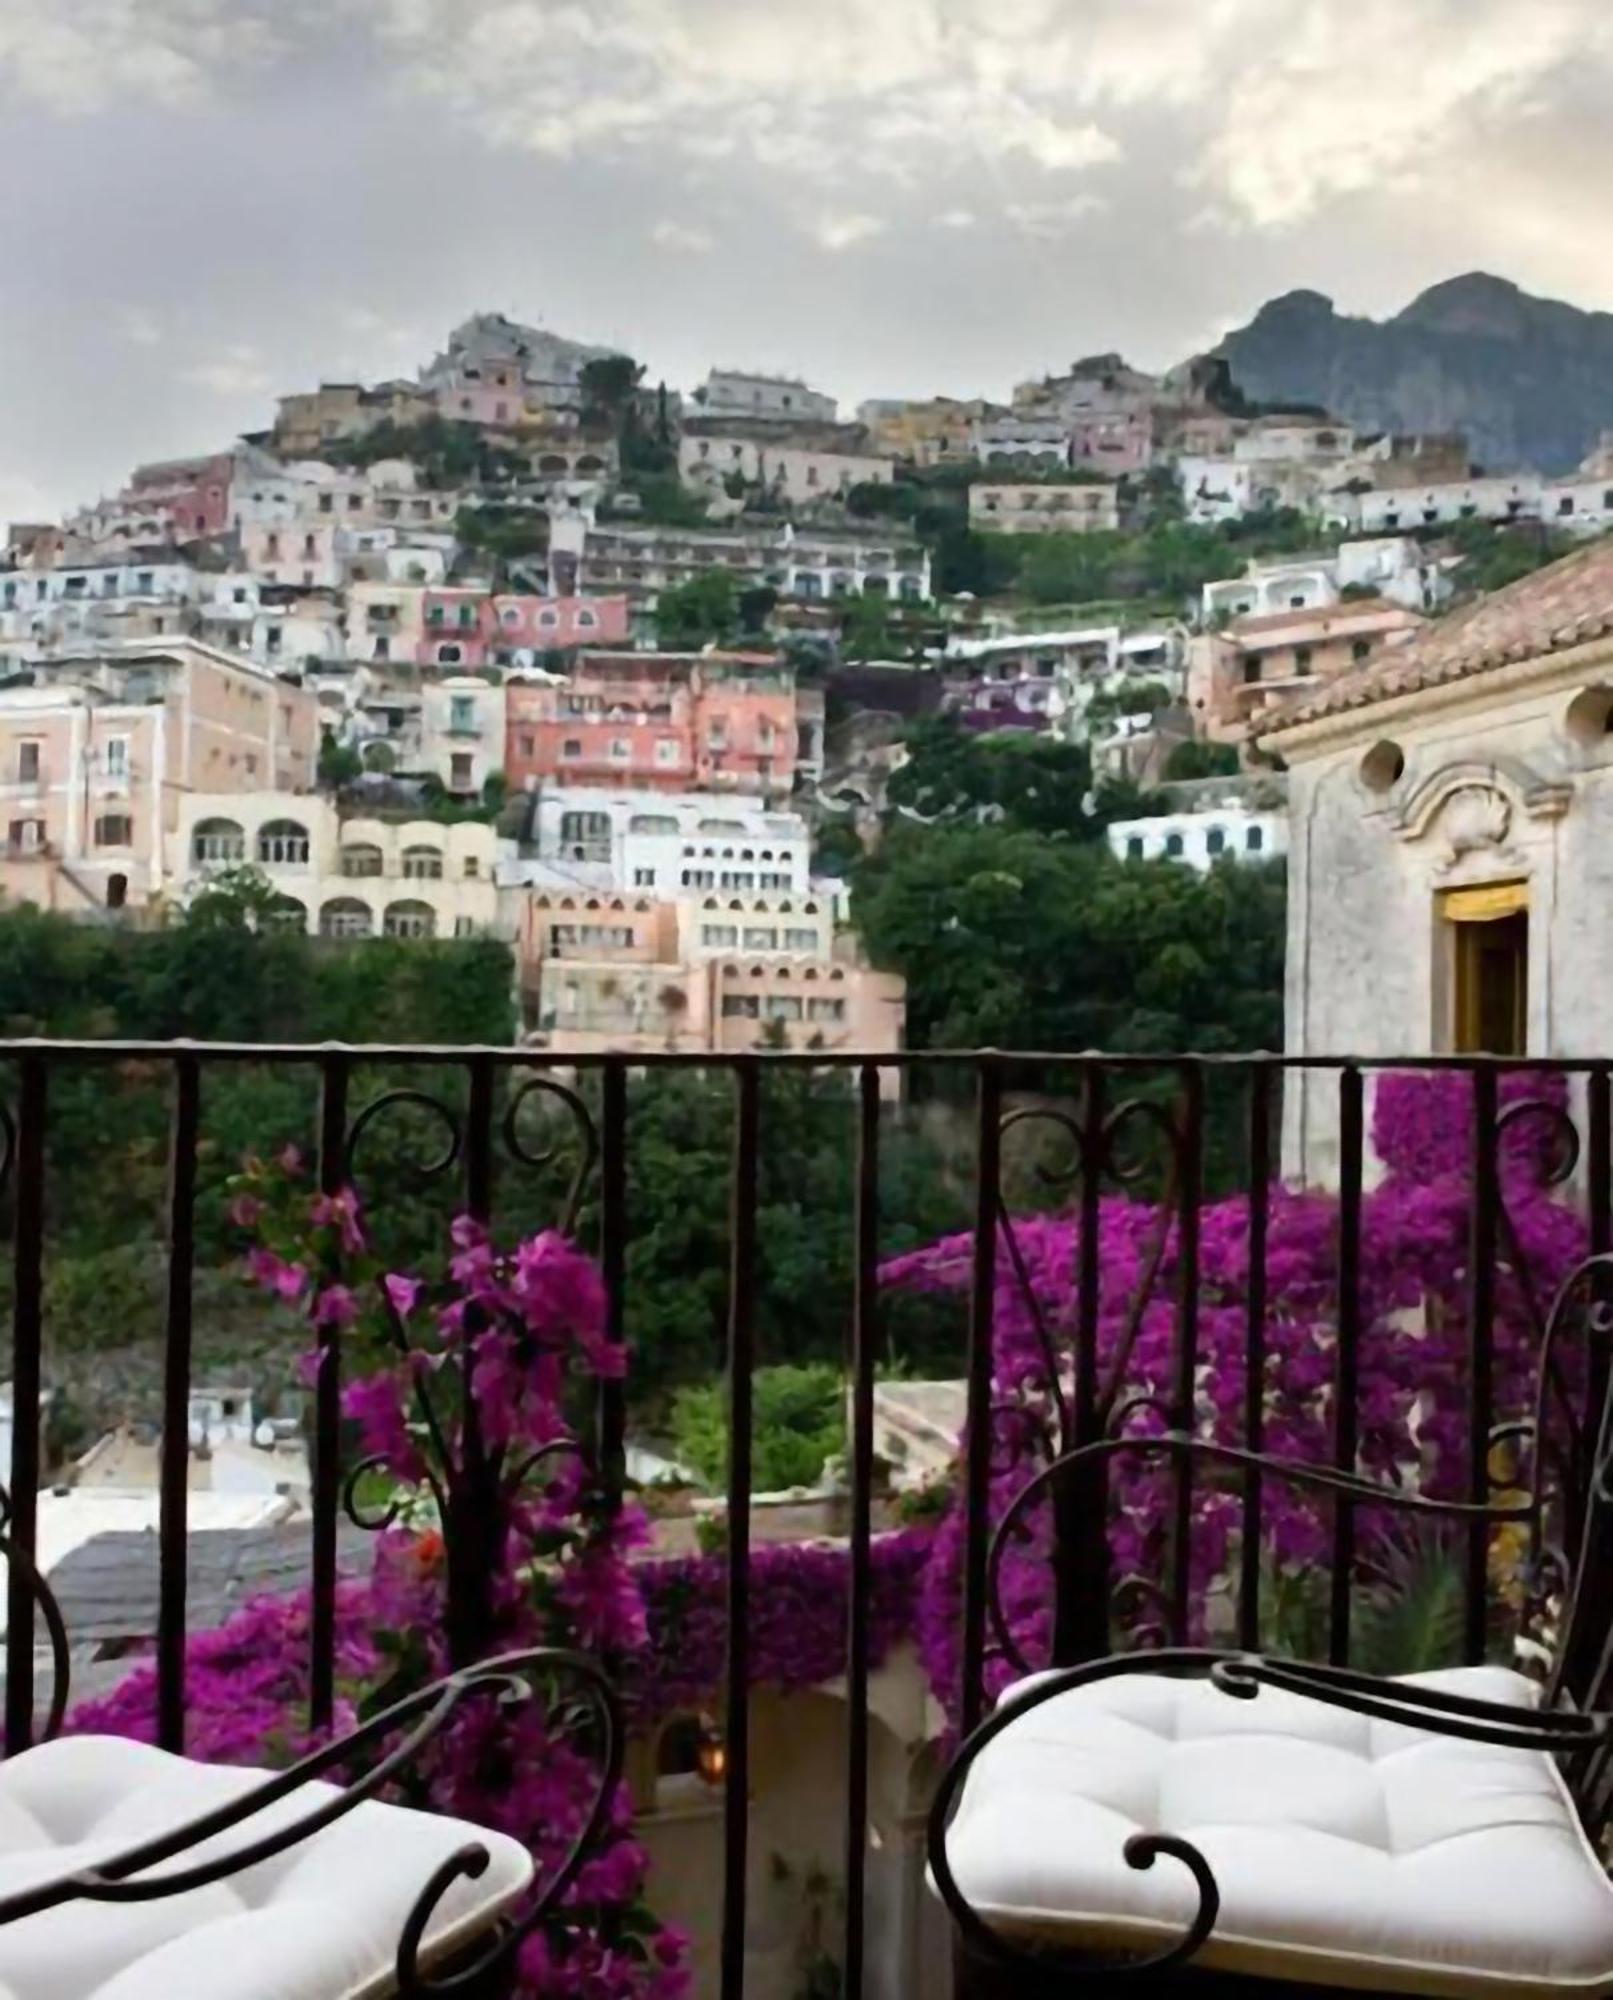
x=1132, y=1308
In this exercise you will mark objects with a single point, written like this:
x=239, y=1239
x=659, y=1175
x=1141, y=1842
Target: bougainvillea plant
x=1414, y=1361
x=462, y=1389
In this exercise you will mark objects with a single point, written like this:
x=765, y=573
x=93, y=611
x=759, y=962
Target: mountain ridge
x=1528, y=379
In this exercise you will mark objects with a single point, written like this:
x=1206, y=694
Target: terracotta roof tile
x=1564, y=605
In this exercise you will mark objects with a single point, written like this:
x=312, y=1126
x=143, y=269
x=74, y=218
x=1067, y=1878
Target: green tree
x=339, y=763
x=1010, y=940
x=799, y=1424
x=1201, y=760
x=701, y=612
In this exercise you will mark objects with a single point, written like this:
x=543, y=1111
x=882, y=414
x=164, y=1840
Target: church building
x=1451, y=844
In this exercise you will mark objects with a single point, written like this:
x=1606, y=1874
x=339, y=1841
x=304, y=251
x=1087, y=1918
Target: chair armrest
x=1141, y=1850
x=123, y=1879
x=1437, y=1710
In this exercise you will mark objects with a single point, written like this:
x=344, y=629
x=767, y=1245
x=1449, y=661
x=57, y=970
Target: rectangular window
x=800, y=940
x=28, y=762
x=826, y=1010
x=620, y=750
x=114, y=830
x=117, y=758
x=461, y=713
x=783, y=1007
x=643, y=878
x=759, y=939
x=741, y=1007
x=464, y=927
x=529, y=744
x=666, y=750
x=460, y=771
x=719, y=937
x=572, y=747
x=26, y=836
x=473, y=868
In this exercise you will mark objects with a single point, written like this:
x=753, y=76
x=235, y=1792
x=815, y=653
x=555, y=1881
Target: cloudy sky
x=212, y=200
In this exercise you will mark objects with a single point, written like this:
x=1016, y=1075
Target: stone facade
x=1464, y=782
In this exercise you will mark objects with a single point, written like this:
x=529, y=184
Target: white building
x=343, y=877
x=1202, y=836
x=1017, y=439
x=1395, y=509
x=1301, y=583
x=668, y=844
x=462, y=732
x=780, y=399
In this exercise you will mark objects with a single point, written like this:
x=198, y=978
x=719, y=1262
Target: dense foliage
x=798, y=1422
x=1054, y=945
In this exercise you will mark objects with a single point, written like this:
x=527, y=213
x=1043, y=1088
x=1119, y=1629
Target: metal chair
x=119, y=1879
x=1198, y=1821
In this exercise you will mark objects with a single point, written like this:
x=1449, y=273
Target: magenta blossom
x=274, y=1274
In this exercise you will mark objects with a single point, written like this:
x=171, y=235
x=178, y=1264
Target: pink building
x=96, y=754
x=664, y=722
x=193, y=492
x=470, y=629
x=1114, y=441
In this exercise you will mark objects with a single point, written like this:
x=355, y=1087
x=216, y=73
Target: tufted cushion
x=1349, y=1853
x=318, y=1922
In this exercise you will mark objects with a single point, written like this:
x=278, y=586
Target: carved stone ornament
x=1474, y=819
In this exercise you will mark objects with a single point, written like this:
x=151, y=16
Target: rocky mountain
x=1529, y=380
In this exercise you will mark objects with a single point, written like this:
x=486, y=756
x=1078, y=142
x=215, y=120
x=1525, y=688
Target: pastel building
x=1044, y=508
x=605, y=973
x=193, y=492
x=670, y=722
x=472, y=628
x=462, y=732
x=795, y=465
x=1261, y=664
x=98, y=754
x=342, y=877
x=386, y=622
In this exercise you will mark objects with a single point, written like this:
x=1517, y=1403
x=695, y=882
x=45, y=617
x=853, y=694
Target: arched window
x=218, y=843
x=285, y=913
x=410, y=920
x=1255, y=839
x=1215, y=841
x=282, y=843
x=361, y=860
x=422, y=864
x=346, y=917
x=1173, y=845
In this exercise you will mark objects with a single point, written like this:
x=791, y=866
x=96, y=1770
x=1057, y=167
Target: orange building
x=663, y=722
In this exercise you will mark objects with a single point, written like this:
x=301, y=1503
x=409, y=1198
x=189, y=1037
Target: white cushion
x=1348, y=1852
x=318, y=1922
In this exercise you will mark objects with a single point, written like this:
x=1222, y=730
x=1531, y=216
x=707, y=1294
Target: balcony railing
x=1125, y=1268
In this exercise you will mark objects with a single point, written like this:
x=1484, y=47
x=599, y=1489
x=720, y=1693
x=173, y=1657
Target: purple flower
x=335, y=1306
x=274, y=1274
x=403, y=1294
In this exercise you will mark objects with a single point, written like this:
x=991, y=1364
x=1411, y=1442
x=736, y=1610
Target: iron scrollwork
x=593, y=1704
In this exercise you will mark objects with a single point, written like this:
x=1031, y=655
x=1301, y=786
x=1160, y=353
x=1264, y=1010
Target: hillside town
x=525, y=646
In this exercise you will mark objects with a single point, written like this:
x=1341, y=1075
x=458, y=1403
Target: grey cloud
x=232, y=197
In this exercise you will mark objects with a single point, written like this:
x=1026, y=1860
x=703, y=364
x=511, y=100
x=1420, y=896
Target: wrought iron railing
x=1073, y=1131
